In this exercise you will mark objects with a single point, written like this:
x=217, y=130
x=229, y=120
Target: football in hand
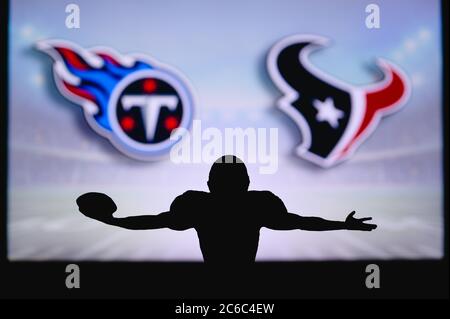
x=96, y=205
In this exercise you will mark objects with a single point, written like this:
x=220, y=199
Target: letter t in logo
x=150, y=107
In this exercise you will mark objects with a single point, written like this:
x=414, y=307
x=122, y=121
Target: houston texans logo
x=334, y=117
x=133, y=100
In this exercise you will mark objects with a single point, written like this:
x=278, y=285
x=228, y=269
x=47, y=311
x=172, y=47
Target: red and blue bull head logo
x=334, y=117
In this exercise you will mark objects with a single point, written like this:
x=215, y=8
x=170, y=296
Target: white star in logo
x=326, y=111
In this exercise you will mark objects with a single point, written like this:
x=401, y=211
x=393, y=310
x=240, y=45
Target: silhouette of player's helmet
x=228, y=174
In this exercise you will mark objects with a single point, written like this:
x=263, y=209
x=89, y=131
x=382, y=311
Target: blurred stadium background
x=54, y=156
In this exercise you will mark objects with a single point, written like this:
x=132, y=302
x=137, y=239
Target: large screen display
x=333, y=106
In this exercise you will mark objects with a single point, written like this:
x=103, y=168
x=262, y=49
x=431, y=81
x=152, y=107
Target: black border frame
x=286, y=280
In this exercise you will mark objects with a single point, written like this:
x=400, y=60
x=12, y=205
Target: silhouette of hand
x=353, y=223
x=98, y=206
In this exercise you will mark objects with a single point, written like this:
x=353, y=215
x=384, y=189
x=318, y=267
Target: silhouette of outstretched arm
x=276, y=217
x=101, y=207
x=288, y=221
x=161, y=220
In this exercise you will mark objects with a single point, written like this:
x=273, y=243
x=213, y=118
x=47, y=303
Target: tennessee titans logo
x=334, y=117
x=132, y=100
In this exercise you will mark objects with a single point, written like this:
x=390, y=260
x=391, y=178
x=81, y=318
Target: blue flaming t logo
x=132, y=100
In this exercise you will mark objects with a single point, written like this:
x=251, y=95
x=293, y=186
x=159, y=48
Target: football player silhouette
x=227, y=219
